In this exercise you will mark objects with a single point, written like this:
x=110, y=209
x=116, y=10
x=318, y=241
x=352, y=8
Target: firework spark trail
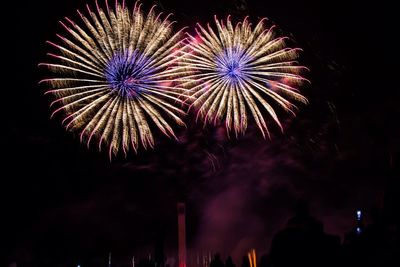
x=251, y=255
x=233, y=71
x=114, y=76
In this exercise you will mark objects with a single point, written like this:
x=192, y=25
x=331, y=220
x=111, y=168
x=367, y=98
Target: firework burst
x=114, y=77
x=235, y=69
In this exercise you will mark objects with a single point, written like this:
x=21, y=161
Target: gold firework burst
x=237, y=70
x=114, y=78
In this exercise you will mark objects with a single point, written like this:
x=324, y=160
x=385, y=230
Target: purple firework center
x=128, y=74
x=234, y=70
x=230, y=65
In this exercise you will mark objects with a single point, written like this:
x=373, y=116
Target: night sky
x=63, y=202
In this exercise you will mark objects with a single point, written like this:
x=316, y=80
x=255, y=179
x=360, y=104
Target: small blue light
x=78, y=265
x=358, y=230
x=358, y=215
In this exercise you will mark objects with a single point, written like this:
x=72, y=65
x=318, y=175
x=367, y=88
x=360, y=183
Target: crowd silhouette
x=303, y=242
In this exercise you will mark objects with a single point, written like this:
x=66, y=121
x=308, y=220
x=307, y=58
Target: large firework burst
x=236, y=69
x=113, y=77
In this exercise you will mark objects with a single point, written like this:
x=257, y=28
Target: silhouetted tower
x=181, y=235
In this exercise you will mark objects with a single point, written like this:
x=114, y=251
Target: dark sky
x=61, y=201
